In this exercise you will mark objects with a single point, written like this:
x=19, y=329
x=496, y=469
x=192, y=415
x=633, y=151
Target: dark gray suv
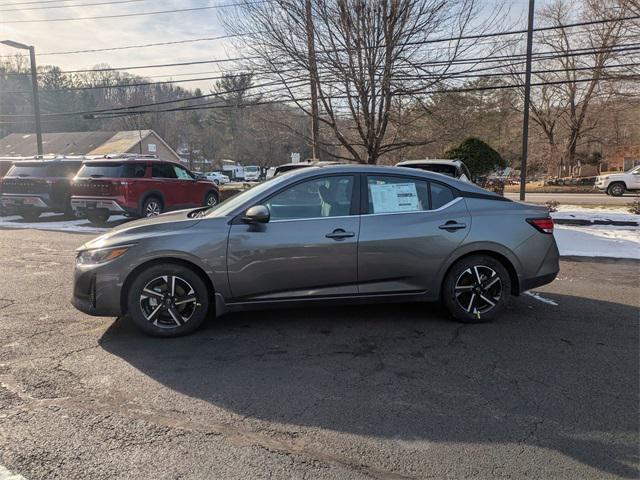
x=321, y=235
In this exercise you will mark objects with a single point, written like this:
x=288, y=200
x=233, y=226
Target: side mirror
x=257, y=214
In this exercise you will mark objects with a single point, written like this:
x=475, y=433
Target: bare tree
x=367, y=54
x=577, y=66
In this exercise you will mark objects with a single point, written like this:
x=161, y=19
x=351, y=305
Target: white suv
x=617, y=183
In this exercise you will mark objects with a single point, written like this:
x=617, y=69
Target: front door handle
x=452, y=225
x=339, y=234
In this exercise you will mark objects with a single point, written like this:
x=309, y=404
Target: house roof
x=74, y=143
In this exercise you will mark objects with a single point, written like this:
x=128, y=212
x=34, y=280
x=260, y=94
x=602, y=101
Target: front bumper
x=97, y=290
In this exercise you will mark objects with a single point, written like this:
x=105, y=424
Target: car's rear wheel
x=30, y=215
x=476, y=289
x=168, y=300
x=152, y=207
x=616, y=189
x=211, y=199
x=98, y=218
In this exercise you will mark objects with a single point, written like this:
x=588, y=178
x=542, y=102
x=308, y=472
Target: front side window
x=181, y=173
x=317, y=198
x=163, y=170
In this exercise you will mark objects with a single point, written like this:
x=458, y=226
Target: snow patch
x=598, y=241
x=50, y=221
x=542, y=299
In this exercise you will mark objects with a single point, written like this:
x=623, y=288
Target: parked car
x=616, y=184
x=137, y=187
x=217, y=178
x=320, y=236
x=451, y=168
x=32, y=187
x=287, y=167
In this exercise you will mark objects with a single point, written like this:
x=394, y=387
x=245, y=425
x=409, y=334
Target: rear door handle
x=452, y=225
x=339, y=234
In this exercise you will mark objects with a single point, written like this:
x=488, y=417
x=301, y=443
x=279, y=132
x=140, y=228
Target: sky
x=115, y=32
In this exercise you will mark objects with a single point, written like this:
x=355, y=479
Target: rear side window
x=448, y=170
x=112, y=170
x=390, y=194
x=397, y=194
x=163, y=170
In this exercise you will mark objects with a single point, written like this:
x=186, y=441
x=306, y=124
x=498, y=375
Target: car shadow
x=563, y=377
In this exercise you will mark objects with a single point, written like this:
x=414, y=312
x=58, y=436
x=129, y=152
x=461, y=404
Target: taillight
x=544, y=225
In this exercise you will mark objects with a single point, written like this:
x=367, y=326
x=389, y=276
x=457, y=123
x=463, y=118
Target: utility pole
x=313, y=76
x=34, y=87
x=527, y=97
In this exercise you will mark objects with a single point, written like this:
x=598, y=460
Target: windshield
x=227, y=206
x=635, y=169
x=251, y=169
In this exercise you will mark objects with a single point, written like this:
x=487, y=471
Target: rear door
x=191, y=192
x=409, y=227
x=308, y=248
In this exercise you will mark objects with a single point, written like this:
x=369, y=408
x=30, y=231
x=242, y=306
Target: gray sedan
x=321, y=236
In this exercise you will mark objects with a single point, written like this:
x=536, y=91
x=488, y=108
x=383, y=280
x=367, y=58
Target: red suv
x=137, y=187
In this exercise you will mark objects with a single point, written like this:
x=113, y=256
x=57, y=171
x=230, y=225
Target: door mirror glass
x=256, y=214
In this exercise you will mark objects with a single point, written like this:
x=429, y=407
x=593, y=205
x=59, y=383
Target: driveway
x=550, y=390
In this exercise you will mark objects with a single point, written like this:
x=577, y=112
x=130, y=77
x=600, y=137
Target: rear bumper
x=23, y=200
x=538, y=281
x=84, y=204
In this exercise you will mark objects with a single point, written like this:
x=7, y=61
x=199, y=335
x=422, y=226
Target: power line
x=122, y=15
x=22, y=9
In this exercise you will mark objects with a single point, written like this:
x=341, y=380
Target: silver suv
x=318, y=236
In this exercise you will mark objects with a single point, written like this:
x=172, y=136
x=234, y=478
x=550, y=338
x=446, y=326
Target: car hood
x=165, y=224
x=613, y=175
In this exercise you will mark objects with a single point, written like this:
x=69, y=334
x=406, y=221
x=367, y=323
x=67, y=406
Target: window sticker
x=394, y=197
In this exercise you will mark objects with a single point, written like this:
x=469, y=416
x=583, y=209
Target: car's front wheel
x=168, y=300
x=476, y=289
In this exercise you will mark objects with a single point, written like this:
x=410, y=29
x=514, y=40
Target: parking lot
x=550, y=390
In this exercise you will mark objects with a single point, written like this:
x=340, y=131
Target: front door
x=411, y=226
x=308, y=249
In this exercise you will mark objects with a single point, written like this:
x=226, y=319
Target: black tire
x=152, y=207
x=468, y=303
x=30, y=215
x=210, y=199
x=98, y=219
x=616, y=189
x=216, y=181
x=69, y=214
x=161, y=316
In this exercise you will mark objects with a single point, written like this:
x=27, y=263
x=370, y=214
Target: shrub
x=552, y=205
x=478, y=156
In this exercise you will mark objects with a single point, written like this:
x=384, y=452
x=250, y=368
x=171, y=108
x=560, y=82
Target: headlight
x=100, y=255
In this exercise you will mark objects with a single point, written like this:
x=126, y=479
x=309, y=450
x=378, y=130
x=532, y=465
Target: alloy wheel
x=478, y=289
x=153, y=209
x=212, y=200
x=168, y=301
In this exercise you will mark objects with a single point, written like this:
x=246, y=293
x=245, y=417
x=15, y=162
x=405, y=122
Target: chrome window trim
x=446, y=205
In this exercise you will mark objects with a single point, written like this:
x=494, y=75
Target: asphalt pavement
x=576, y=198
x=550, y=390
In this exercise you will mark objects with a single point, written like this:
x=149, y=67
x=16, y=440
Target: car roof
x=135, y=159
x=434, y=161
x=389, y=170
